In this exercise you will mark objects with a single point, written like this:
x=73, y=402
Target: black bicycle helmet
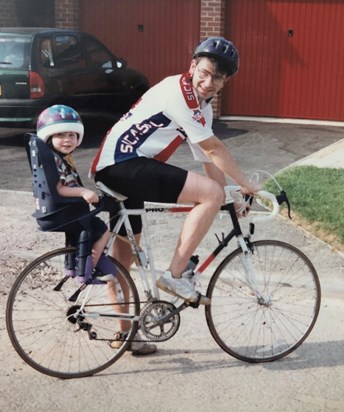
x=221, y=49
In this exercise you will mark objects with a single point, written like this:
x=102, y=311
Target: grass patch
x=317, y=200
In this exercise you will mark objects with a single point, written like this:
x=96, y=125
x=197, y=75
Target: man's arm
x=219, y=154
x=214, y=173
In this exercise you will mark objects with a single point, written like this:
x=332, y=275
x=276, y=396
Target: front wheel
x=64, y=338
x=263, y=306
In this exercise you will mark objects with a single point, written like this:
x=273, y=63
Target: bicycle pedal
x=76, y=294
x=58, y=287
x=201, y=300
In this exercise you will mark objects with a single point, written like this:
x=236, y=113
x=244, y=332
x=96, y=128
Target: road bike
x=265, y=298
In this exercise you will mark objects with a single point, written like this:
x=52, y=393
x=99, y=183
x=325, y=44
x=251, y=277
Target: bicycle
x=265, y=299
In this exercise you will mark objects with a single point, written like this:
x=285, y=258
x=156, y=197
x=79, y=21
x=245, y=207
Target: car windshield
x=14, y=51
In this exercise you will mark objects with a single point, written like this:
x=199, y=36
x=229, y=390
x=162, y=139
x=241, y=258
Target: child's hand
x=90, y=196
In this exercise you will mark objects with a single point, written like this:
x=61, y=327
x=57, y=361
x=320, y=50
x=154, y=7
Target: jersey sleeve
x=196, y=123
x=183, y=107
x=197, y=152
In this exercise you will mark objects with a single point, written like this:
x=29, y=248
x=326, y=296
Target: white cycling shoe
x=182, y=287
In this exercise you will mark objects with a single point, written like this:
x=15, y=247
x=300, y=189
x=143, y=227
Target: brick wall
x=67, y=13
x=8, y=15
x=212, y=18
x=212, y=24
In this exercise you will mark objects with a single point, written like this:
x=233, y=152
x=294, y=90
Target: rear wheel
x=267, y=321
x=68, y=339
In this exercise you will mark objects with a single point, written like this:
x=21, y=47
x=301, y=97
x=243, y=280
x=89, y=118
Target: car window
x=68, y=52
x=47, y=58
x=97, y=55
x=14, y=52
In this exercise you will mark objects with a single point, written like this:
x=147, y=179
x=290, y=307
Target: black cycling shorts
x=143, y=179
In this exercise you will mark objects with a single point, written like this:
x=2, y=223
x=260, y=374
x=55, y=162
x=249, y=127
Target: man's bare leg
x=121, y=251
x=98, y=247
x=208, y=197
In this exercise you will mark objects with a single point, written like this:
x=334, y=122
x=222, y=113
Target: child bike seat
x=45, y=177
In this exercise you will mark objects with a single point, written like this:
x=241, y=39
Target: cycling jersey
x=167, y=115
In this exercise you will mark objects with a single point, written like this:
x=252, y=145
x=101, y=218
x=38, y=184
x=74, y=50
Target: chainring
x=152, y=314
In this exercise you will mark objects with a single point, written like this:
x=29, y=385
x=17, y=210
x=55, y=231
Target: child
x=61, y=128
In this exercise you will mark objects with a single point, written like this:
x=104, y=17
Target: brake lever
x=248, y=198
x=282, y=198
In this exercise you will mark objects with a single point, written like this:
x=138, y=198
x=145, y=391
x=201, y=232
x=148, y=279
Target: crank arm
x=173, y=313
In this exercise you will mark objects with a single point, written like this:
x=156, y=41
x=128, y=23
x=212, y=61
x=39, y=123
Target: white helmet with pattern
x=59, y=119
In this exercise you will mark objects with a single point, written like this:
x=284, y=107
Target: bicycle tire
x=46, y=331
x=256, y=330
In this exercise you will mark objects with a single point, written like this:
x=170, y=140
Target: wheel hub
x=73, y=314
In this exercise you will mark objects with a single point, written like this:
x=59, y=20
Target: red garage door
x=292, y=59
x=154, y=36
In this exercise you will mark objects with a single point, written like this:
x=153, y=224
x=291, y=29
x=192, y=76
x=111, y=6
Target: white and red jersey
x=166, y=115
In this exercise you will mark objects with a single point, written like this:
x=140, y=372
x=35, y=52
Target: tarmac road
x=254, y=145
x=189, y=372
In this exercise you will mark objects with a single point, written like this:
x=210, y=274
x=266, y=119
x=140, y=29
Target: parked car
x=44, y=66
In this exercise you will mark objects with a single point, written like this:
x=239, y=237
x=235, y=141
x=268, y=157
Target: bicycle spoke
x=267, y=325
x=62, y=338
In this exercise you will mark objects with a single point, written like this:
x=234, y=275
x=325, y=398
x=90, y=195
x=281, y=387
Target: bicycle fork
x=250, y=274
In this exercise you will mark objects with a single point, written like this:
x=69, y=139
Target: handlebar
x=275, y=207
x=275, y=200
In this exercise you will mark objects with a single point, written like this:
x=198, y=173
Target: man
x=132, y=157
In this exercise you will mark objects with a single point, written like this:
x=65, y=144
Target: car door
x=68, y=78
x=115, y=79
x=82, y=73
x=14, y=65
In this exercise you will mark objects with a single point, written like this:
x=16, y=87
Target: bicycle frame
x=145, y=262
x=143, y=259
x=265, y=299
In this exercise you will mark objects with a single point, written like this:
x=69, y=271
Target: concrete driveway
x=189, y=372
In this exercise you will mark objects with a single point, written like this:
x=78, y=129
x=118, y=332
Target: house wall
x=67, y=14
x=8, y=16
x=291, y=57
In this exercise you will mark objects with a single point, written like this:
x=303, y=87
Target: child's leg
x=72, y=237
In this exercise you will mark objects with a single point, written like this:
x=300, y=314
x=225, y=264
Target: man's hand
x=243, y=208
x=251, y=188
